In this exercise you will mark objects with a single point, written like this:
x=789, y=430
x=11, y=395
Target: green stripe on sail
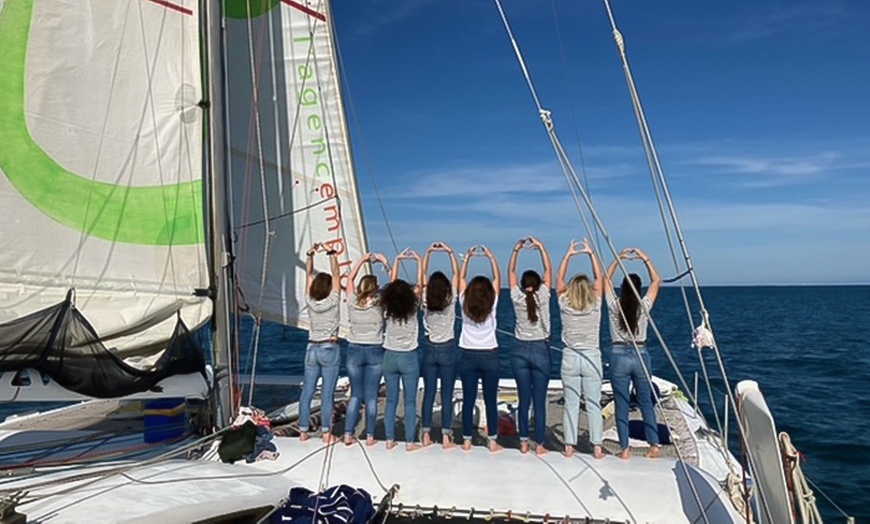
x=241, y=9
x=148, y=215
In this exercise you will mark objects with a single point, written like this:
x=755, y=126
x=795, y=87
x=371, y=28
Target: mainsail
x=101, y=167
x=291, y=170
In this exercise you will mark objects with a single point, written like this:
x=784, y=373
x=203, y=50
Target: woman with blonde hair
x=322, y=356
x=365, y=351
x=580, y=307
x=400, y=301
x=439, y=352
x=530, y=359
x=478, y=300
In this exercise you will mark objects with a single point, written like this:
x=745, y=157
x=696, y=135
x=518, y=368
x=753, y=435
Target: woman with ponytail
x=531, y=356
x=629, y=361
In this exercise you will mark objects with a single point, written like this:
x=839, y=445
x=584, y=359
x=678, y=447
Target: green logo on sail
x=149, y=215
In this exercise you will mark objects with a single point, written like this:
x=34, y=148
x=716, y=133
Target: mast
x=219, y=227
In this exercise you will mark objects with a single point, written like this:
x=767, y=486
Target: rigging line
x=550, y=128
x=573, y=493
x=676, y=224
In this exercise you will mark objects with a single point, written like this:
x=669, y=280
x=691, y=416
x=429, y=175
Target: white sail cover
x=293, y=182
x=101, y=164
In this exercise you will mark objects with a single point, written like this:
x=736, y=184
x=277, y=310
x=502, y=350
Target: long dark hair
x=479, y=298
x=399, y=300
x=439, y=290
x=629, y=304
x=531, y=283
x=321, y=285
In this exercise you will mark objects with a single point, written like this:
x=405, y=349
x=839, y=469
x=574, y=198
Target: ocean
x=808, y=347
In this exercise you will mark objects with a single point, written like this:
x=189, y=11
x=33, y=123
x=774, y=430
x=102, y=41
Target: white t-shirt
x=478, y=335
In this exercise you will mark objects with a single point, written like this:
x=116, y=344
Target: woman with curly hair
x=322, y=356
x=580, y=306
x=479, y=361
x=401, y=362
x=439, y=353
x=530, y=359
x=365, y=351
x=629, y=360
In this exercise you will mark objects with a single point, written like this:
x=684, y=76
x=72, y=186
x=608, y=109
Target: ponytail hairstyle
x=579, y=292
x=321, y=286
x=399, y=301
x=439, y=291
x=629, y=304
x=531, y=283
x=479, y=299
x=367, y=289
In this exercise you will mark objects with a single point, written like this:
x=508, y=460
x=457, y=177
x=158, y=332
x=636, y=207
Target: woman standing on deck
x=322, y=355
x=580, y=305
x=530, y=360
x=365, y=351
x=629, y=361
x=401, y=362
x=440, y=354
x=479, y=360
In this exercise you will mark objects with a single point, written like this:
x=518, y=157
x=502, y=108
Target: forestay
x=101, y=163
x=291, y=173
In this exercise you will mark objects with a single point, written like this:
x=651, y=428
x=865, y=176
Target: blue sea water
x=808, y=347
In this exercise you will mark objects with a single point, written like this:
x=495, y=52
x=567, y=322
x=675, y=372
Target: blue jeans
x=404, y=365
x=581, y=376
x=321, y=361
x=364, y=366
x=626, y=368
x=480, y=365
x=530, y=361
x=439, y=362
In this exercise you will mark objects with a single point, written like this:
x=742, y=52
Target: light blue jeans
x=404, y=365
x=364, y=368
x=625, y=369
x=581, y=378
x=321, y=361
x=530, y=362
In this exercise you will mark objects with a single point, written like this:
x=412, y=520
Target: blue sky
x=759, y=111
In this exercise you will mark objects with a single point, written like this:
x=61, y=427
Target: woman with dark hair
x=439, y=354
x=322, y=355
x=580, y=305
x=479, y=361
x=629, y=361
x=401, y=362
x=530, y=359
x=365, y=351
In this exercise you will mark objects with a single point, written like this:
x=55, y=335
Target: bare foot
x=569, y=451
x=447, y=442
x=427, y=440
x=329, y=438
x=413, y=446
x=524, y=447
x=626, y=454
x=540, y=450
x=303, y=436
x=391, y=444
x=466, y=445
x=349, y=439
x=370, y=440
x=599, y=453
x=494, y=447
x=654, y=452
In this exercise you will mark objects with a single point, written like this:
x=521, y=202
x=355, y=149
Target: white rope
x=804, y=500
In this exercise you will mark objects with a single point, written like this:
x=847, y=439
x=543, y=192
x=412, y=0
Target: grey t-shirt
x=439, y=324
x=323, y=317
x=617, y=335
x=580, y=327
x=402, y=336
x=366, y=322
x=526, y=329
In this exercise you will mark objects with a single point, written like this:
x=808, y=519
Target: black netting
x=61, y=343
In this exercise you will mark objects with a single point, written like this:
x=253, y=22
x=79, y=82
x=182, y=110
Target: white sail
x=101, y=165
x=292, y=178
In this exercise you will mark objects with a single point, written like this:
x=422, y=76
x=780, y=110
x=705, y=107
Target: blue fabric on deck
x=337, y=505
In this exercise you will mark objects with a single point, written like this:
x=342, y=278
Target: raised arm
x=309, y=263
x=496, y=272
x=654, y=277
x=513, y=281
x=561, y=284
x=463, y=274
x=454, y=266
x=336, y=271
x=545, y=260
x=598, y=285
x=611, y=270
x=351, y=279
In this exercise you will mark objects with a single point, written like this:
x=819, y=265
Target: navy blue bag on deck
x=340, y=504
